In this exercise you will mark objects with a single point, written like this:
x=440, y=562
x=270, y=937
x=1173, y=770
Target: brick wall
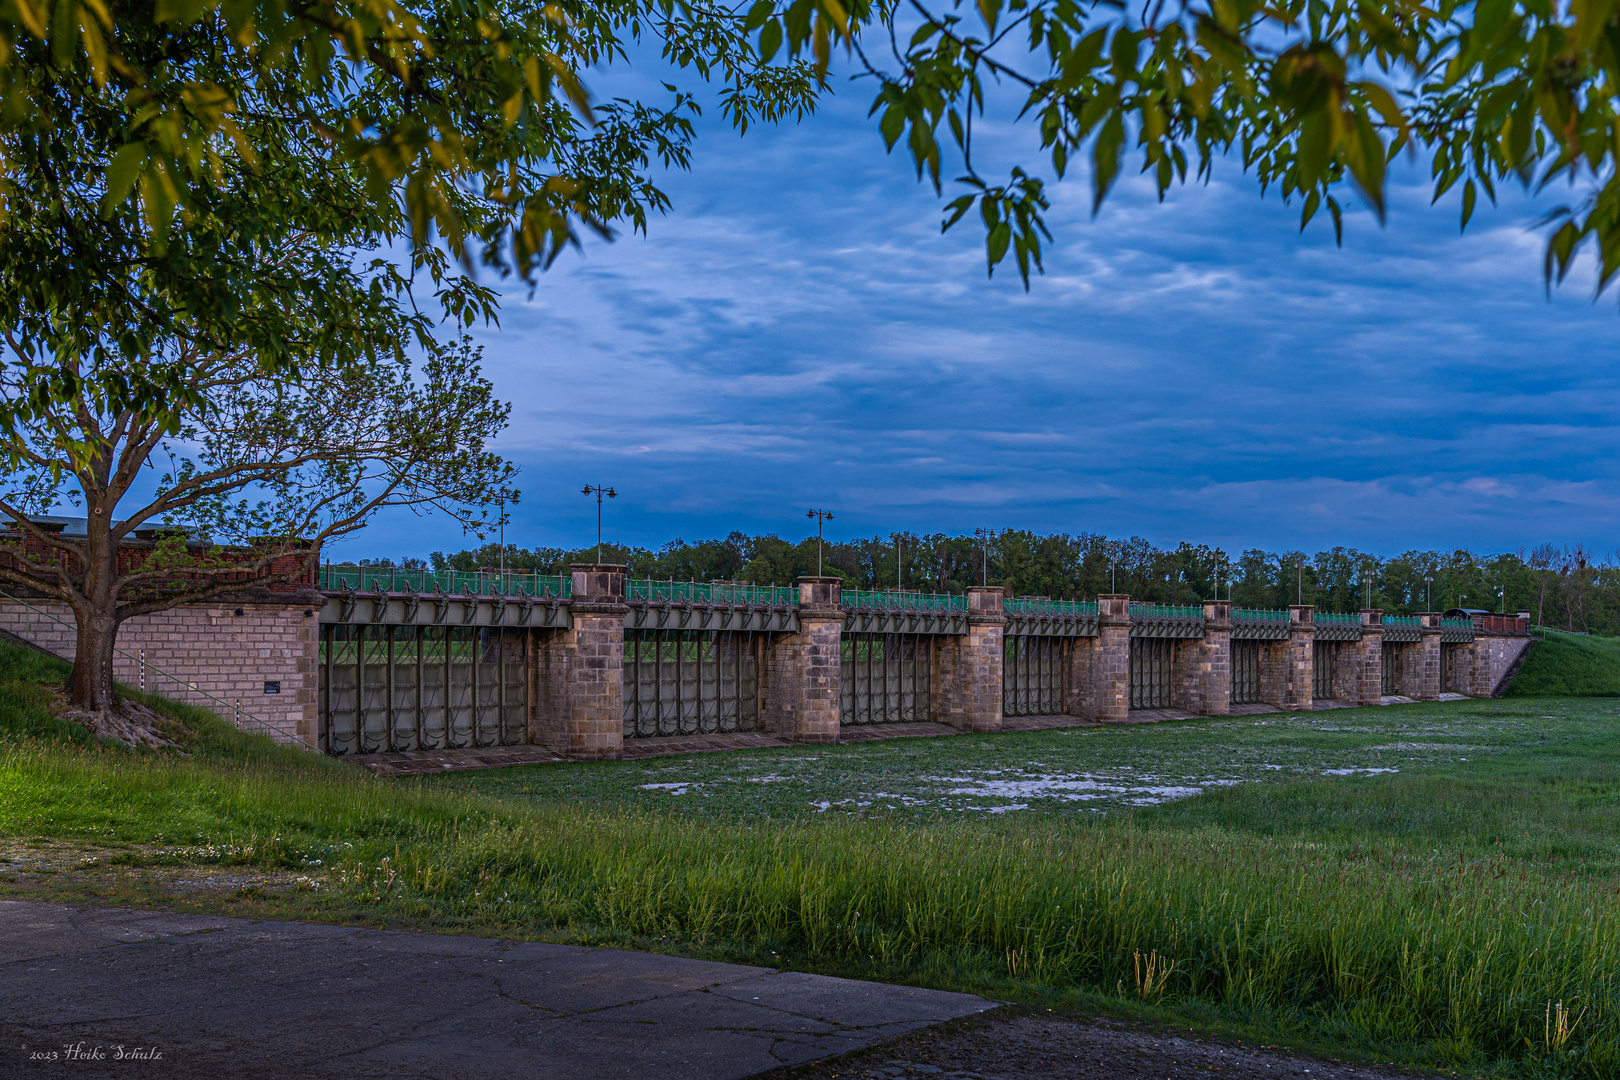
x=1100, y=667
x=803, y=672
x=1481, y=665
x=205, y=649
x=803, y=680
x=969, y=694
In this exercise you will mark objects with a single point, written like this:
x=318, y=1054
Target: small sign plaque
x=272, y=687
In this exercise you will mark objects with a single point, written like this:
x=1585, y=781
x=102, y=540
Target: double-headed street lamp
x=821, y=517
x=598, y=490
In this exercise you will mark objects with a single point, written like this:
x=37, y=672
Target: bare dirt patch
x=1009, y=1045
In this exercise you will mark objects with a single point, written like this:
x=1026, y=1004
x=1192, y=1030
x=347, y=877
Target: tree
x=477, y=114
x=266, y=469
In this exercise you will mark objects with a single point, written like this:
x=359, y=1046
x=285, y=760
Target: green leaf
x=122, y=172
x=995, y=244
x=758, y=16
x=770, y=39
x=1105, y=160
x=892, y=125
x=1312, y=201
x=1469, y=196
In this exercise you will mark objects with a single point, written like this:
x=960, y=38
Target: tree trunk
x=96, y=612
x=91, y=685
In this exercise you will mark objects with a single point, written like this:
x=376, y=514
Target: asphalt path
x=119, y=992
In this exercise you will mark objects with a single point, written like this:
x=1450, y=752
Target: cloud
x=797, y=331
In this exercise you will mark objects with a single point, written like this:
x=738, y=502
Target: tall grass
x=1444, y=961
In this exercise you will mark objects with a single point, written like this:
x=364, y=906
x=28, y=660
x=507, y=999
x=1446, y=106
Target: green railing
x=1028, y=605
x=1328, y=618
x=1403, y=620
x=1457, y=624
x=713, y=592
x=1259, y=615
x=1166, y=611
x=392, y=579
x=859, y=600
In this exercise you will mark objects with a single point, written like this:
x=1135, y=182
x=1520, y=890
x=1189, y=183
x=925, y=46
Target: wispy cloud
x=797, y=331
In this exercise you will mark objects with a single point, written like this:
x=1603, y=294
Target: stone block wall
x=803, y=672
x=1098, y=685
x=967, y=695
x=207, y=655
x=1300, y=662
x=1480, y=666
x=584, y=686
x=1201, y=668
x=1365, y=661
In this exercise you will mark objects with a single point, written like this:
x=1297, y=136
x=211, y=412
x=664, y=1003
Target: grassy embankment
x=1437, y=915
x=1569, y=665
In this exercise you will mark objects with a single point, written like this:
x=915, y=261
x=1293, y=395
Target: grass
x=1432, y=915
x=1569, y=665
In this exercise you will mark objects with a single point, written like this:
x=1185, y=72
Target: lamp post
x=1501, y=594
x=598, y=490
x=820, y=516
x=984, y=555
x=1428, y=579
x=515, y=494
x=1299, y=582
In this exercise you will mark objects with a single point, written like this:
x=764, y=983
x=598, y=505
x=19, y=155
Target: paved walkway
x=218, y=997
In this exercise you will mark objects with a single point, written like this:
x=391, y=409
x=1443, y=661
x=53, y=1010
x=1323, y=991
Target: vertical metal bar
x=388, y=689
x=422, y=713
x=449, y=712
x=658, y=681
x=360, y=691
x=474, y=672
x=680, y=680
x=500, y=684
x=324, y=734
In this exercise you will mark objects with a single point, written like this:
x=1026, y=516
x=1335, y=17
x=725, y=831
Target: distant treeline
x=1560, y=586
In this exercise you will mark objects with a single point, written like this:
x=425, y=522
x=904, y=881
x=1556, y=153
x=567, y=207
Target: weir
x=587, y=662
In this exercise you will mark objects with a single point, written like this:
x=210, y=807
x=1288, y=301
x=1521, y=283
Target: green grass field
x=1420, y=883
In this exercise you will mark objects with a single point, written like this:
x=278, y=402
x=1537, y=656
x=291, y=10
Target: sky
x=796, y=333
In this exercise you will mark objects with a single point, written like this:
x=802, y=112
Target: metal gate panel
x=1388, y=664
x=392, y=688
x=1032, y=675
x=1324, y=654
x=1150, y=672
x=690, y=682
x=1245, y=672
x=339, y=705
x=885, y=678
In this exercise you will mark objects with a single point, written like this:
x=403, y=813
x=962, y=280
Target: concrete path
x=219, y=997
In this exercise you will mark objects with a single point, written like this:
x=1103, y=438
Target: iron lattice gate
x=1032, y=676
x=1390, y=660
x=885, y=678
x=690, y=682
x=1150, y=672
x=389, y=688
x=1245, y=672
x=1323, y=656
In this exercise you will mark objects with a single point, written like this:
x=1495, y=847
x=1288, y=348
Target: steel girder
x=430, y=609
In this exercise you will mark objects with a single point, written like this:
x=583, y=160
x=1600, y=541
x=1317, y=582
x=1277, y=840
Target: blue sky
x=797, y=333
